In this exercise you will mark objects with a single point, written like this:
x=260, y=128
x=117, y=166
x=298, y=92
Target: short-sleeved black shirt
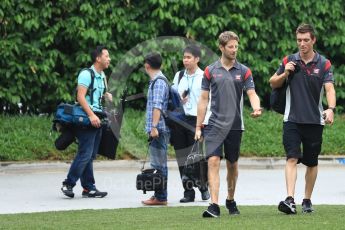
x=226, y=89
x=305, y=91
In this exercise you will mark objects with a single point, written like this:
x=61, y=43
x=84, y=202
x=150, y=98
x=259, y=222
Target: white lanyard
x=190, y=86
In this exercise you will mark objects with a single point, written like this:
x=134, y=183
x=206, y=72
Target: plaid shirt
x=157, y=98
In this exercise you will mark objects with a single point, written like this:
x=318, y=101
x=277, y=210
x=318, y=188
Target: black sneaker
x=287, y=206
x=93, y=193
x=187, y=200
x=232, y=207
x=212, y=211
x=205, y=195
x=67, y=190
x=307, y=207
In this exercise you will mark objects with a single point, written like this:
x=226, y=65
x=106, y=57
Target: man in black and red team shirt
x=226, y=79
x=309, y=75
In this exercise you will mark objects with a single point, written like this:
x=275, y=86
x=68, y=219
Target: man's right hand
x=184, y=100
x=198, y=133
x=95, y=121
x=289, y=68
x=328, y=115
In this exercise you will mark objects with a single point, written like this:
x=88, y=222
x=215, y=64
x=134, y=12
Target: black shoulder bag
x=150, y=179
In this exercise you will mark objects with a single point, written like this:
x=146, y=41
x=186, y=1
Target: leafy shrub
x=44, y=43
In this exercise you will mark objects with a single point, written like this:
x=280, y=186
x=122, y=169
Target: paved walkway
x=35, y=187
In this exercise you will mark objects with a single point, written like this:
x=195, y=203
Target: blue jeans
x=159, y=156
x=82, y=167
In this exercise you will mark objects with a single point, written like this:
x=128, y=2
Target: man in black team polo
x=226, y=79
x=309, y=74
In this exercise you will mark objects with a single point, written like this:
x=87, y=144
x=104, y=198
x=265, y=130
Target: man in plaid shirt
x=157, y=104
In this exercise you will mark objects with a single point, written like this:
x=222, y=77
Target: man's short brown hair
x=306, y=28
x=226, y=36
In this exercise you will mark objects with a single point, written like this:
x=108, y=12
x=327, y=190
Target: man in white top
x=188, y=84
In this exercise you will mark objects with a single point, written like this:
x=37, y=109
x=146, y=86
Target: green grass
x=252, y=217
x=25, y=138
x=263, y=136
x=28, y=138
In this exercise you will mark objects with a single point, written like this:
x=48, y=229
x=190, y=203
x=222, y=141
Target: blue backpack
x=174, y=102
x=175, y=112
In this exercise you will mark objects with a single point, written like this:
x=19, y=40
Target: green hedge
x=28, y=138
x=44, y=43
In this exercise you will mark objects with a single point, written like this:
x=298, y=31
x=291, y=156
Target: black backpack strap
x=291, y=57
x=105, y=85
x=163, y=78
x=323, y=61
x=323, y=64
x=90, y=89
x=180, y=75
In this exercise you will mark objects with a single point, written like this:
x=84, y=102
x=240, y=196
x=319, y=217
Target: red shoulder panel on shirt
x=248, y=73
x=285, y=60
x=207, y=73
x=328, y=65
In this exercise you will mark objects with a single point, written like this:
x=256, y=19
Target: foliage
x=263, y=136
x=44, y=43
x=25, y=138
x=252, y=217
x=30, y=138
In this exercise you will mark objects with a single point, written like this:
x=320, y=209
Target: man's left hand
x=154, y=133
x=108, y=97
x=256, y=113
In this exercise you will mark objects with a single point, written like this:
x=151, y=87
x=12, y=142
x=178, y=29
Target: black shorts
x=309, y=135
x=216, y=138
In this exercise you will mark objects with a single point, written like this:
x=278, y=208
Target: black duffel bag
x=108, y=143
x=195, y=168
x=151, y=180
x=66, y=138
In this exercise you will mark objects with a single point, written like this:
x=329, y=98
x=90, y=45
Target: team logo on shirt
x=217, y=75
x=316, y=71
x=238, y=77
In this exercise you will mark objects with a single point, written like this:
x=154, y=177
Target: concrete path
x=35, y=187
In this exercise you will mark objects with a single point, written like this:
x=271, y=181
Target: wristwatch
x=154, y=126
x=332, y=108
